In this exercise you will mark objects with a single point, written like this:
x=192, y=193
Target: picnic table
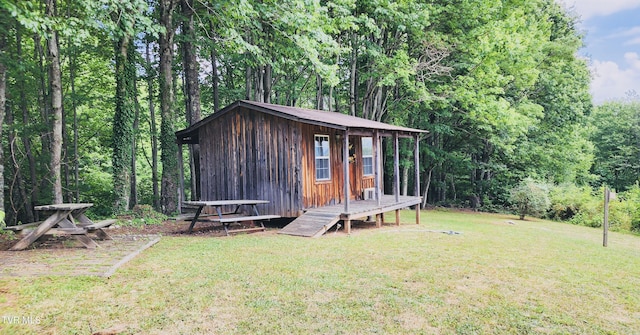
x=229, y=217
x=64, y=219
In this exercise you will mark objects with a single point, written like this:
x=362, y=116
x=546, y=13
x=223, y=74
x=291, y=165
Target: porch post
x=416, y=163
x=376, y=165
x=396, y=167
x=181, y=171
x=396, y=173
x=345, y=160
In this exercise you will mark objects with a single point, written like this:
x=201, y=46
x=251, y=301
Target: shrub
x=582, y=206
x=530, y=198
x=630, y=204
x=568, y=200
x=143, y=215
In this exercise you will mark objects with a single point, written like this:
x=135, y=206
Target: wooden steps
x=317, y=221
x=311, y=224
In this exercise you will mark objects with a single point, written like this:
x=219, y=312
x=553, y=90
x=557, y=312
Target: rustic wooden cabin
x=318, y=166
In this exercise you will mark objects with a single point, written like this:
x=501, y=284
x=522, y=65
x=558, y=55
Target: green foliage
x=626, y=210
x=142, y=215
x=576, y=204
x=616, y=136
x=568, y=200
x=497, y=84
x=2, y=223
x=124, y=116
x=97, y=188
x=583, y=206
x=530, y=198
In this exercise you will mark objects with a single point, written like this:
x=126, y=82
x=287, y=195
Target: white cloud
x=591, y=8
x=633, y=60
x=632, y=35
x=631, y=32
x=610, y=81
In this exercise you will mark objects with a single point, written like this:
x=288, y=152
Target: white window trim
x=364, y=156
x=316, y=157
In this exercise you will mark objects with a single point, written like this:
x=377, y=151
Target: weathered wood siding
x=328, y=192
x=252, y=155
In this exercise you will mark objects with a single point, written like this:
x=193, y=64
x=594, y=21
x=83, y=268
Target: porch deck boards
x=316, y=221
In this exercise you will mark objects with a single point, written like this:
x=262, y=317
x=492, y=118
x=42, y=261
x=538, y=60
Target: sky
x=612, y=29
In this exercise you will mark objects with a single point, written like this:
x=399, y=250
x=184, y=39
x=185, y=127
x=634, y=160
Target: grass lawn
x=534, y=277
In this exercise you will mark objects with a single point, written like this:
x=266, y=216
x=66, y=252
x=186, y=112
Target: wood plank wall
x=251, y=155
x=247, y=154
x=321, y=193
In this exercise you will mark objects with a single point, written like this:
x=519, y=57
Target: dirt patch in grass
x=65, y=256
x=57, y=257
x=167, y=228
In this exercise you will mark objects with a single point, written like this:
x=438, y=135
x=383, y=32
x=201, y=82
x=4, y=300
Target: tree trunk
x=17, y=185
x=247, y=78
x=193, y=107
x=64, y=159
x=259, y=78
x=169, y=147
x=133, y=198
x=352, y=75
x=122, y=127
x=405, y=179
x=74, y=162
x=26, y=140
x=267, y=82
x=425, y=193
x=153, y=129
x=215, y=80
x=3, y=100
x=43, y=95
x=319, y=104
x=55, y=82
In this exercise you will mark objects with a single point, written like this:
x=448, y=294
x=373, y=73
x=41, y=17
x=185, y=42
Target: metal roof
x=304, y=115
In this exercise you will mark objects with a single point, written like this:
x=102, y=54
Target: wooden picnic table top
x=67, y=219
x=63, y=207
x=224, y=202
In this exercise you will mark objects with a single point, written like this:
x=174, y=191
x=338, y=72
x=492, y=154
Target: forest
x=92, y=92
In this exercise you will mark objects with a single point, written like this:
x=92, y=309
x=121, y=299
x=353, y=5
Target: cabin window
x=323, y=168
x=367, y=156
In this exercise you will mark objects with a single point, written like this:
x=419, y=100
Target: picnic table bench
x=230, y=217
x=65, y=219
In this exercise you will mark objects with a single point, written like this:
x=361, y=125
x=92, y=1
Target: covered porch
x=316, y=221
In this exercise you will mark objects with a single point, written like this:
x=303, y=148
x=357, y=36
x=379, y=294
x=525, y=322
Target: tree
x=558, y=148
x=530, y=198
x=152, y=126
x=3, y=98
x=169, y=155
x=496, y=83
x=615, y=132
x=55, y=84
x=192, y=90
x=123, y=124
x=126, y=18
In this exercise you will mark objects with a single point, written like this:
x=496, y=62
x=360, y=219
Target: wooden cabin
x=297, y=159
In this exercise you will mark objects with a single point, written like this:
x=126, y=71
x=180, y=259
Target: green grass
x=534, y=277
